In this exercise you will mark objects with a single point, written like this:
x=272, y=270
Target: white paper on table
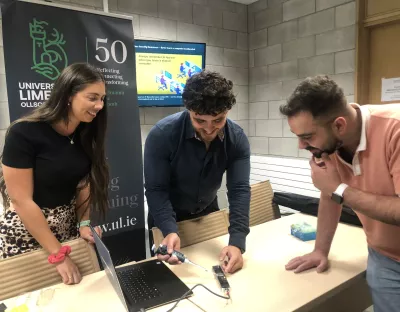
x=390, y=89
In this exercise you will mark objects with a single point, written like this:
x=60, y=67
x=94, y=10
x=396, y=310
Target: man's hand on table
x=235, y=259
x=314, y=259
x=173, y=242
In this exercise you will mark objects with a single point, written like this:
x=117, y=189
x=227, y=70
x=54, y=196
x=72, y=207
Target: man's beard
x=333, y=147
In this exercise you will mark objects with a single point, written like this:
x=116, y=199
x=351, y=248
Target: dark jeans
x=182, y=216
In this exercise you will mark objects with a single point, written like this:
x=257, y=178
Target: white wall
x=285, y=174
x=288, y=41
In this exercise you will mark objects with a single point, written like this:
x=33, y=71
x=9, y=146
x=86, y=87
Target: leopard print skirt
x=15, y=239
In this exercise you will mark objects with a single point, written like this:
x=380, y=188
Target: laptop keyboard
x=137, y=286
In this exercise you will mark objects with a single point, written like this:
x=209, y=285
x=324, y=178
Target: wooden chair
x=198, y=230
x=31, y=271
x=262, y=209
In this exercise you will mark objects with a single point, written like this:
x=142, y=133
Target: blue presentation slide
x=162, y=68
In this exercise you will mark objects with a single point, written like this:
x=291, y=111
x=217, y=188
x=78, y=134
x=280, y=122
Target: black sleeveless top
x=58, y=166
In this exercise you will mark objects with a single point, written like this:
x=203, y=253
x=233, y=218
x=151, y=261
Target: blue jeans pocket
x=383, y=277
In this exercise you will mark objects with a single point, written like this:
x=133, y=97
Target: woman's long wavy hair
x=72, y=80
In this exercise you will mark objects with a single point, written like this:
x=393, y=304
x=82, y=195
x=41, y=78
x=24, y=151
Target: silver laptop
x=141, y=285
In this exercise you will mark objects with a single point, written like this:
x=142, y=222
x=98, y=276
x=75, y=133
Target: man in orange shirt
x=360, y=151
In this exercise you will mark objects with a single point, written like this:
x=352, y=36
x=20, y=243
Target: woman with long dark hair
x=54, y=171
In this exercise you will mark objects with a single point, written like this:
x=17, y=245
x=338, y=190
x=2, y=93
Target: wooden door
x=378, y=48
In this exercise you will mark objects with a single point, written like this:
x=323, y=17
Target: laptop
x=141, y=285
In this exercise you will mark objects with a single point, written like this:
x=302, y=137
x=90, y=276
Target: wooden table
x=262, y=285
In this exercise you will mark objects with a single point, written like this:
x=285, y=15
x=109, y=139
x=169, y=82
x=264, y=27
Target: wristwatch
x=337, y=196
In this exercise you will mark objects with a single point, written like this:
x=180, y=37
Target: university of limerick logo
x=49, y=57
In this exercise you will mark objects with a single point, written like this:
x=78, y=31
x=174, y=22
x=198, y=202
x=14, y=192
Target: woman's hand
x=86, y=233
x=69, y=271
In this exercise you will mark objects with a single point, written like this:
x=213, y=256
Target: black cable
x=188, y=292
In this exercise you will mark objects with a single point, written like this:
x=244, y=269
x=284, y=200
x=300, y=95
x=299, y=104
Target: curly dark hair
x=208, y=93
x=319, y=95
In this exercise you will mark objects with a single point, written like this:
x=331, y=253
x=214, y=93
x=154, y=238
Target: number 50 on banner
x=107, y=52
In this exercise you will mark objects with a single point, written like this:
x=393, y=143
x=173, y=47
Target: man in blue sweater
x=185, y=157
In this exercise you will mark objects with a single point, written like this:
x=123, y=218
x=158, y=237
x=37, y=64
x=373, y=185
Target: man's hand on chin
x=235, y=259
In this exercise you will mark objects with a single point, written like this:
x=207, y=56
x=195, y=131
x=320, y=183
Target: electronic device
x=162, y=250
x=220, y=276
x=337, y=196
x=162, y=68
x=141, y=285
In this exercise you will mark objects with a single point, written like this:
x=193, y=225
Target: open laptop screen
x=108, y=265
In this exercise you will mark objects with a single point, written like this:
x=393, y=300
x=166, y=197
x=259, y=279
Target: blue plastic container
x=303, y=231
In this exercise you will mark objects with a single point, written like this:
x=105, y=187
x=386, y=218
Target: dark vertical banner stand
x=40, y=40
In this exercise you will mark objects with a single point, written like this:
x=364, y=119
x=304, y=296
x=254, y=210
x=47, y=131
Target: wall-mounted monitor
x=162, y=68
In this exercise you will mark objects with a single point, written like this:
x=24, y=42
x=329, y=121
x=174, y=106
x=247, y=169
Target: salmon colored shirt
x=376, y=169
